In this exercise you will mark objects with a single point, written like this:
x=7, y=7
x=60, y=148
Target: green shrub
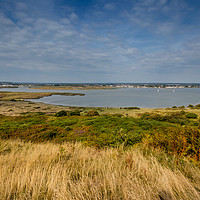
x=176, y=117
x=75, y=113
x=174, y=106
x=68, y=128
x=182, y=112
x=197, y=106
x=132, y=108
x=191, y=115
x=61, y=113
x=92, y=113
x=190, y=106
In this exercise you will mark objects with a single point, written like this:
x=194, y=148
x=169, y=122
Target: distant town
x=104, y=85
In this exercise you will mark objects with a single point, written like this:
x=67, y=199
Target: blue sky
x=100, y=40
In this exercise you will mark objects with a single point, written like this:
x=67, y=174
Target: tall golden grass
x=72, y=171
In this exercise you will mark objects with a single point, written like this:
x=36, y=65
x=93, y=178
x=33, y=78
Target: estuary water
x=122, y=97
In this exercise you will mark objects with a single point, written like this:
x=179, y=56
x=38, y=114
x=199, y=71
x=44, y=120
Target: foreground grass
x=72, y=171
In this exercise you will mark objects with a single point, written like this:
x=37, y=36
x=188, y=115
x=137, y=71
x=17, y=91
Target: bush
x=191, y=115
x=190, y=106
x=182, y=112
x=176, y=117
x=61, y=113
x=197, y=106
x=75, y=113
x=92, y=113
x=132, y=108
x=174, y=106
x=68, y=128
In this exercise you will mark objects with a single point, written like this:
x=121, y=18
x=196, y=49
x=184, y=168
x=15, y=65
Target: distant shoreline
x=90, y=86
x=20, y=96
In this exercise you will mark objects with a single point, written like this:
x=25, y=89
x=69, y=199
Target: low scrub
x=163, y=131
x=92, y=113
x=132, y=108
x=175, y=117
x=191, y=115
x=61, y=113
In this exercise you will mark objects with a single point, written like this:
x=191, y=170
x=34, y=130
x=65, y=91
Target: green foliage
x=67, y=121
x=197, y=106
x=155, y=130
x=190, y=106
x=183, y=141
x=182, y=107
x=92, y=113
x=75, y=113
x=175, y=117
x=61, y=113
x=191, y=115
x=132, y=108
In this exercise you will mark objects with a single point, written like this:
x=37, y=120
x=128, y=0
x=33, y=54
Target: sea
x=121, y=97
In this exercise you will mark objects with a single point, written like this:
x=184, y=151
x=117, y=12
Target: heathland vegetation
x=81, y=153
x=17, y=96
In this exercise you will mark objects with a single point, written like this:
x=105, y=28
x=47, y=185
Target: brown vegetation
x=18, y=96
x=71, y=171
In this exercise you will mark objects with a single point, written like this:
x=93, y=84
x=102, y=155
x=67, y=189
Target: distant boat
x=158, y=90
x=173, y=90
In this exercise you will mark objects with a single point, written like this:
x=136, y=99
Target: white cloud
x=74, y=17
x=109, y=6
x=114, y=46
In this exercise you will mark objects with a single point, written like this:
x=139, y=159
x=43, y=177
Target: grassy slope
x=71, y=171
x=156, y=155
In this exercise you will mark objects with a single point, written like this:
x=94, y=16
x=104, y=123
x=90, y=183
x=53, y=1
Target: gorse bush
x=67, y=113
x=61, y=113
x=175, y=117
x=190, y=106
x=132, y=108
x=191, y=115
x=92, y=113
x=197, y=106
x=183, y=141
x=75, y=113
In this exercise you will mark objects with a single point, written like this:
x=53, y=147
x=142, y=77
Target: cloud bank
x=103, y=41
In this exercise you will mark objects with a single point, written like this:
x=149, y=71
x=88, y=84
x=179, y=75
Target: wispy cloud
x=141, y=42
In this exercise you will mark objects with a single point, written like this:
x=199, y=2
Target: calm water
x=123, y=97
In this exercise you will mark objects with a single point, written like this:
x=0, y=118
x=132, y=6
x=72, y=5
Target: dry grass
x=71, y=171
x=136, y=113
x=16, y=108
x=7, y=96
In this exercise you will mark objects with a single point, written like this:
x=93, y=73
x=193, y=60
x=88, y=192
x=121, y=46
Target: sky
x=95, y=41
